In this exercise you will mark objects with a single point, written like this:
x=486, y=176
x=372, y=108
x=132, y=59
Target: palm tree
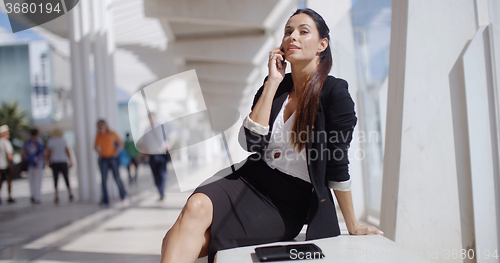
x=15, y=118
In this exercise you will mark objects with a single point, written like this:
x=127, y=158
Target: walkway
x=83, y=232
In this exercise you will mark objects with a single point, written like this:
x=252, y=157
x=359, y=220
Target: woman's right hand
x=276, y=74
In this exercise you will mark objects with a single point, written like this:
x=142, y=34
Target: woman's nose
x=295, y=35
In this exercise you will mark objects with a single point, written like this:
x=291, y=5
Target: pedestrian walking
x=59, y=159
x=6, y=165
x=155, y=145
x=134, y=158
x=108, y=145
x=33, y=153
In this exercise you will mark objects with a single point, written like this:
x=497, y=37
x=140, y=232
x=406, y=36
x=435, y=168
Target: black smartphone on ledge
x=289, y=252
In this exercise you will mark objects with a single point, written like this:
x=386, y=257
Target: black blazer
x=326, y=152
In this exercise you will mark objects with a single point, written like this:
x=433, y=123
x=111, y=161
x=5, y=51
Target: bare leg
x=204, y=249
x=189, y=236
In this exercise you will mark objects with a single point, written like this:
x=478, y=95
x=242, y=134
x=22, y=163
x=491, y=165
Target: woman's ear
x=323, y=45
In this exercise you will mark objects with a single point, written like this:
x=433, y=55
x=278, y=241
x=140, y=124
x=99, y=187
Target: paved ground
x=84, y=232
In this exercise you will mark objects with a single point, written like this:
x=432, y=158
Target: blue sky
x=4, y=21
x=21, y=36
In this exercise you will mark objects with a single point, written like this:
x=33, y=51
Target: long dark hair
x=309, y=101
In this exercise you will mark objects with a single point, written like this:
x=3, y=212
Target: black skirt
x=255, y=205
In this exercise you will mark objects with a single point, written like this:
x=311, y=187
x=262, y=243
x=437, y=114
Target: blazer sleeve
x=248, y=139
x=340, y=120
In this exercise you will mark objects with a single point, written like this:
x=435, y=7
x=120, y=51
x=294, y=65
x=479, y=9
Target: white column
x=99, y=45
x=494, y=17
x=78, y=104
x=483, y=144
x=394, y=119
x=88, y=98
x=426, y=195
x=109, y=64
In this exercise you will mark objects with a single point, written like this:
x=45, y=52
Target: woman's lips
x=293, y=47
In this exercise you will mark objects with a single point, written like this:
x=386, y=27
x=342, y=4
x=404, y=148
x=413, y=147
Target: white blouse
x=289, y=160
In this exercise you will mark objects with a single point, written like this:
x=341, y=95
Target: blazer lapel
x=279, y=98
x=275, y=109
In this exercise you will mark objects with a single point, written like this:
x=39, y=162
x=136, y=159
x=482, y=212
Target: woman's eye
x=287, y=33
x=304, y=32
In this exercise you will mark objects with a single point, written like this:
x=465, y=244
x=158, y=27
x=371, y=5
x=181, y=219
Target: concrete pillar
x=78, y=105
x=425, y=190
x=494, y=17
x=89, y=98
x=109, y=65
x=392, y=148
x=483, y=142
x=100, y=31
x=100, y=50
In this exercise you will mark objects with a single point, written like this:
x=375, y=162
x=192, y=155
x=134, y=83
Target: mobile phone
x=281, y=62
x=289, y=252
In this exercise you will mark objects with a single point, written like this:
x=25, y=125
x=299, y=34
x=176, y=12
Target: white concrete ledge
x=343, y=248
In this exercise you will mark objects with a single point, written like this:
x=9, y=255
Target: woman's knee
x=198, y=206
x=165, y=238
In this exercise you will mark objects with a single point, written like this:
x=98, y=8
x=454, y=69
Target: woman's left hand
x=365, y=230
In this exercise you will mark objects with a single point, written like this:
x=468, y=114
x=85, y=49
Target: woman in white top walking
x=59, y=159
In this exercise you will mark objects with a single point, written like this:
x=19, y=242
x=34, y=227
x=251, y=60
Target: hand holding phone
x=276, y=65
x=281, y=62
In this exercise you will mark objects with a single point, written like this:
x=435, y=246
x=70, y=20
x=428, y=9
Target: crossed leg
x=189, y=237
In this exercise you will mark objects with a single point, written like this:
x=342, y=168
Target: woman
x=33, y=152
x=134, y=158
x=284, y=184
x=108, y=145
x=6, y=165
x=156, y=149
x=59, y=160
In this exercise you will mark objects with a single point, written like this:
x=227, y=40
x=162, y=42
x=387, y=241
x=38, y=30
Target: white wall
x=424, y=191
x=494, y=17
x=482, y=140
